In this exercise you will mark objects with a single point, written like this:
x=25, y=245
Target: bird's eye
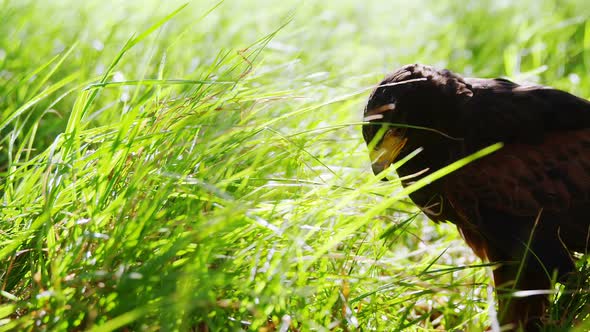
x=377, y=112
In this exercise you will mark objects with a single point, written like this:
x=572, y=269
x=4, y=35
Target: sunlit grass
x=171, y=168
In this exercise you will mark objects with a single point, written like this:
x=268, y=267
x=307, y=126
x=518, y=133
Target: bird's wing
x=522, y=178
x=500, y=110
x=543, y=168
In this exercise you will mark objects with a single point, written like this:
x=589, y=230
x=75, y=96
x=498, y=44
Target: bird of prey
x=524, y=205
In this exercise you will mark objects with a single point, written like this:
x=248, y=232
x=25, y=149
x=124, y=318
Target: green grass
x=201, y=167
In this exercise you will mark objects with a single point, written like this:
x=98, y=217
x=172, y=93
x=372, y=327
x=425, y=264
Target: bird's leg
x=521, y=309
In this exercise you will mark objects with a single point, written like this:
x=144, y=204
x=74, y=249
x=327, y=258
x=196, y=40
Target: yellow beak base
x=385, y=153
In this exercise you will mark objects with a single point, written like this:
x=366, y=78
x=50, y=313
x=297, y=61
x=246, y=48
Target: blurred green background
x=201, y=167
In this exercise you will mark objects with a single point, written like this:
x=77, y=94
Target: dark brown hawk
x=532, y=193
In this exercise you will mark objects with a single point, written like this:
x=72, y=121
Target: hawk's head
x=407, y=102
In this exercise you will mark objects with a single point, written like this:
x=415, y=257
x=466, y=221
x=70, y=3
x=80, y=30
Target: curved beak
x=385, y=153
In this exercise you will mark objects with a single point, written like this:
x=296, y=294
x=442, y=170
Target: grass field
x=201, y=167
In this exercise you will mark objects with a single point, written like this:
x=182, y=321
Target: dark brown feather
x=539, y=180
